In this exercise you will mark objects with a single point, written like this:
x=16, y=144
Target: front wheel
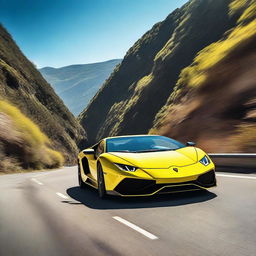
x=101, y=182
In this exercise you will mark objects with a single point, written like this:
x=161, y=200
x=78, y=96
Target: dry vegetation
x=34, y=112
x=190, y=77
x=131, y=98
x=22, y=143
x=214, y=99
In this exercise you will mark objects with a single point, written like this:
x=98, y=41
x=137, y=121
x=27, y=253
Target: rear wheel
x=101, y=182
x=80, y=181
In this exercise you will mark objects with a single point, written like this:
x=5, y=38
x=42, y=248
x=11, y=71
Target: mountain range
x=77, y=84
x=191, y=77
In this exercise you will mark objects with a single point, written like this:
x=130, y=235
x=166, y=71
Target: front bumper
x=145, y=187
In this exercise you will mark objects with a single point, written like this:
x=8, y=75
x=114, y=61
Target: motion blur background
x=184, y=69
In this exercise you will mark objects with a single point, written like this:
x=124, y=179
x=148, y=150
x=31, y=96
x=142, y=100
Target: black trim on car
x=130, y=186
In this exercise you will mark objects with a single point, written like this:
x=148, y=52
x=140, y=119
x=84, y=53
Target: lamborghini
x=144, y=165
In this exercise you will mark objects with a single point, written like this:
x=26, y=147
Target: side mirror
x=88, y=151
x=190, y=144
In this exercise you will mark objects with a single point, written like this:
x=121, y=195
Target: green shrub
x=36, y=150
x=237, y=5
x=195, y=74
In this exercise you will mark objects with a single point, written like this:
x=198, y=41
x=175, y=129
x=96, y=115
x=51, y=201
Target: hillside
x=32, y=115
x=214, y=100
x=77, y=84
x=22, y=144
x=145, y=92
x=132, y=96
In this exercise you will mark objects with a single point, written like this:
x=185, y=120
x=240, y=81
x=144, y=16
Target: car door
x=98, y=150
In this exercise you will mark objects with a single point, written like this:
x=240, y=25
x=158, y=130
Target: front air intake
x=207, y=179
x=130, y=186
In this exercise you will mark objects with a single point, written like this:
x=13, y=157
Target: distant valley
x=77, y=84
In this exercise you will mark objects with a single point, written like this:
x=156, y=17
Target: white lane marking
x=237, y=176
x=61, y=195
x=133, y=226
x=49, y=172
x=37, y=181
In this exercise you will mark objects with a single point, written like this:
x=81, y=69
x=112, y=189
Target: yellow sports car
x=143, y=165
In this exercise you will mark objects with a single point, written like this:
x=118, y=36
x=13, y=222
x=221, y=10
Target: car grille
x=130, y=186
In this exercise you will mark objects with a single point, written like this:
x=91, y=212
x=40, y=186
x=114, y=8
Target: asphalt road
x=47, y=214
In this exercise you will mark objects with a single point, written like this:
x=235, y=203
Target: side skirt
x=89, y=181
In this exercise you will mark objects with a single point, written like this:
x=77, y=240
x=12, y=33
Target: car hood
x=161, y=159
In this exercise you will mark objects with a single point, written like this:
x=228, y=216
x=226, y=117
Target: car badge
x=176, y=169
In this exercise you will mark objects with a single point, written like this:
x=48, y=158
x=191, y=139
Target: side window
x=99, y=149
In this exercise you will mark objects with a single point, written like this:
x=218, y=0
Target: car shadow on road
x=89, y=197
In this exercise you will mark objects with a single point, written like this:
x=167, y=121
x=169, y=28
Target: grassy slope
x=215, y=98
x=77, y=84
x=23, y=86
x=22, y=143
x=130, y=99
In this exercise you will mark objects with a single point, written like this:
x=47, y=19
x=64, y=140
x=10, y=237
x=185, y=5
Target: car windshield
x=139, y=144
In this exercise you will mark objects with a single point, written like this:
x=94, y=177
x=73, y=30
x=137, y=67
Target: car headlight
x=205, y=160
x=127, y=168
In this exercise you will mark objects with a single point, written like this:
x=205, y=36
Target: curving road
x=47, y=214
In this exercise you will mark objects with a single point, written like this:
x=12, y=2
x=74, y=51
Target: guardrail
x=245, y=160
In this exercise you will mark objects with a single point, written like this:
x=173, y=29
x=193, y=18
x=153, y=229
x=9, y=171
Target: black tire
x=101, y=182
x=80, y=181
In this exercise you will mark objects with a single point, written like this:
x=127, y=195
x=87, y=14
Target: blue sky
x=63, y=32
